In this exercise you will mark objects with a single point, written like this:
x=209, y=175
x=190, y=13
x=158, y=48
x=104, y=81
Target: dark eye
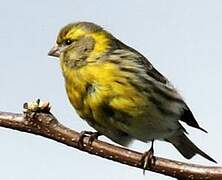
x=68, y=42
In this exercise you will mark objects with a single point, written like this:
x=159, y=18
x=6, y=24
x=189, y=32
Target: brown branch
x=45, y=124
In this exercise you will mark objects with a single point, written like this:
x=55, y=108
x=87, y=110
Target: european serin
x=118, y=91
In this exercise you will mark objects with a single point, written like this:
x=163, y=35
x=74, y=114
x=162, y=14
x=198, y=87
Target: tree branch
x=45, y=124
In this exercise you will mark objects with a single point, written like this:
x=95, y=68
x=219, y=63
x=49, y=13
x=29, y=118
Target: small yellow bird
x=118, y=91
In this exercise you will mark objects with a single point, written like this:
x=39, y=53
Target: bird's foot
x=92, y=136
x=148, y=158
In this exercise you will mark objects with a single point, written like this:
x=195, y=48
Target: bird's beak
x=55, y=51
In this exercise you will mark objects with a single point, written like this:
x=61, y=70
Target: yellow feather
x=104, y=77
x=102, y=42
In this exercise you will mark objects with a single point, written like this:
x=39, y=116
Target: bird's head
x=81, y=41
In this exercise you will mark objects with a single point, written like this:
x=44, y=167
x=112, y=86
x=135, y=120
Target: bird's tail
x=186, y=147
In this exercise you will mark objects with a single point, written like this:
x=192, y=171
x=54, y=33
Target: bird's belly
x=140, y=121
x=151, y=128
x=146, y=123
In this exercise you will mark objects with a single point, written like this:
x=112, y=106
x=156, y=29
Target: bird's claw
x=148, y=158
x=92, y=136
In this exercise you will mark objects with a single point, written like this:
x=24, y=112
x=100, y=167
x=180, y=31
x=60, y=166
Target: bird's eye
x=68, y=42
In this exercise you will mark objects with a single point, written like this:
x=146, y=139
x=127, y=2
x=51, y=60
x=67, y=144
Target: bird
x=119, y=93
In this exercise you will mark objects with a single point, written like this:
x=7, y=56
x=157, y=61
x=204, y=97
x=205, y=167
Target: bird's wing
x=151, y=71
x=186, y=115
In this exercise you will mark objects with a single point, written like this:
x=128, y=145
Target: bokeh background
x=181, y=38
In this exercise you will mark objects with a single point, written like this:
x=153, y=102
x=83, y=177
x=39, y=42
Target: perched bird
x=119, y=92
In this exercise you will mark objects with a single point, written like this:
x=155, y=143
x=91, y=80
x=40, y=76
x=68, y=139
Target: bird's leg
x=92, y=136
x=147, y=158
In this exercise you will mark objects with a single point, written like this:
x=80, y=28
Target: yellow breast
x=94, y=85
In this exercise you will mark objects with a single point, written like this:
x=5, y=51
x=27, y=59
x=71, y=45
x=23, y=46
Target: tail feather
x=188, y=118
x=187, y=148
